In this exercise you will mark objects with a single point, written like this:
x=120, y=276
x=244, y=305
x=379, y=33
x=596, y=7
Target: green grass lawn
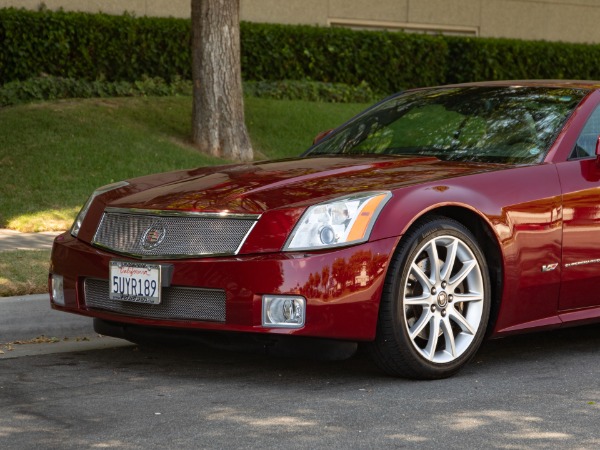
x=24, y=272
x=53, y=155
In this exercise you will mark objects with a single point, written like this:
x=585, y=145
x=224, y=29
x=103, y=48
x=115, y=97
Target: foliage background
x=101, y=47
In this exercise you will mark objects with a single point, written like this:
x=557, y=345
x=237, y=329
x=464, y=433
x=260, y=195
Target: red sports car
x=434, y=218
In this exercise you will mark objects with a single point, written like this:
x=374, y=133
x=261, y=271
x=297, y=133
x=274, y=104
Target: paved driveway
x=536, y=391
x=13, y=240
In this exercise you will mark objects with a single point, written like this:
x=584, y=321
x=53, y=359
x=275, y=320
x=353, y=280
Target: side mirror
x=323, y=134
x=598, y=151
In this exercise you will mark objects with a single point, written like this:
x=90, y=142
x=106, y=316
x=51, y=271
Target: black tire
x=432, y=321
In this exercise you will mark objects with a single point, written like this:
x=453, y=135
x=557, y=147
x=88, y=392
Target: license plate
x=134, y=282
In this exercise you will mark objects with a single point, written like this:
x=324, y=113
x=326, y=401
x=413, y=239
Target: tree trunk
x=218, y=126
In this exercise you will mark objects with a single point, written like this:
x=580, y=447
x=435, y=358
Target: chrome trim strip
x=169, y=213
x=582, y=263
x=243, y=241
x=161, y=257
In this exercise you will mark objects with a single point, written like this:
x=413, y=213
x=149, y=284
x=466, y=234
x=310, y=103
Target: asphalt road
x=536, y=391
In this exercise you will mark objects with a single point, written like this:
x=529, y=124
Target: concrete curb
x=29, y=316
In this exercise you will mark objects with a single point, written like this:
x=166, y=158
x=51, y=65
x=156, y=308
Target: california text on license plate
x=134, y=282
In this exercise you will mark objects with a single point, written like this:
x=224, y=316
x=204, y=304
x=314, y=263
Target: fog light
x=58, y=291
x=283, y=311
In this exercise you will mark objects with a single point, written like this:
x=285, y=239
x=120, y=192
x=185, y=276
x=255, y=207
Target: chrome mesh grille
x=175, y=236
x=176, y=303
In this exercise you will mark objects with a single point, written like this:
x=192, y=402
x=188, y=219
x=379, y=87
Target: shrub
x=477, y=59
x=54, y=88
x=386, y=61
x=91, y=46
x=115, y=48
x=81, y=46
x=313, y=91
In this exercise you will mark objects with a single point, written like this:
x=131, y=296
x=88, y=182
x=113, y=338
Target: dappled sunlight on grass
x=51, y=220
x=24, y=272
x=54, y=154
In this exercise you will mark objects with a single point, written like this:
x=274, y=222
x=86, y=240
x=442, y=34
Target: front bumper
x=342, y=288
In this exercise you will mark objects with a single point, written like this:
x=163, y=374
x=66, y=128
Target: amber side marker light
x=362, y=222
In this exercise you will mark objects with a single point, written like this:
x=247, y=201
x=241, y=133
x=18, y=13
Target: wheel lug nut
x=443, y=313
x=444, y=284
x=450, y=298
x=433, y=290
x=432, y=308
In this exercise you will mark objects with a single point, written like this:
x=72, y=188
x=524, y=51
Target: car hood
x=262, y=186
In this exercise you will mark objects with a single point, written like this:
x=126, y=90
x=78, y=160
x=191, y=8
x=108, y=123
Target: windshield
x=513, y=125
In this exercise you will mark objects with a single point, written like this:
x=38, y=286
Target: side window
x=586, y=142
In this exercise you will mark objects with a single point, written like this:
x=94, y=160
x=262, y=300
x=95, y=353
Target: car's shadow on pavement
x=546, y=352
x=555, y=350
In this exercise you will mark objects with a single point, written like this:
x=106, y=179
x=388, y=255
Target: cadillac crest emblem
x=153, y=236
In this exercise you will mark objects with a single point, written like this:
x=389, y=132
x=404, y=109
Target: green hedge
x=312, y=91
x=386, y=61
x=91, y=46
x=54, y=88
x=124, y=48
x=477, y=59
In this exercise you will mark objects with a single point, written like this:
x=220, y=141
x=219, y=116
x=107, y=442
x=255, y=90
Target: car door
x=580, y=181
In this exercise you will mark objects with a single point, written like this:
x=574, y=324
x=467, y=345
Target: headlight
x=79, y=220
x=343, y=221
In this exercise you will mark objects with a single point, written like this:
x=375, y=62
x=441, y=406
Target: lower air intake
x=179, y=303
